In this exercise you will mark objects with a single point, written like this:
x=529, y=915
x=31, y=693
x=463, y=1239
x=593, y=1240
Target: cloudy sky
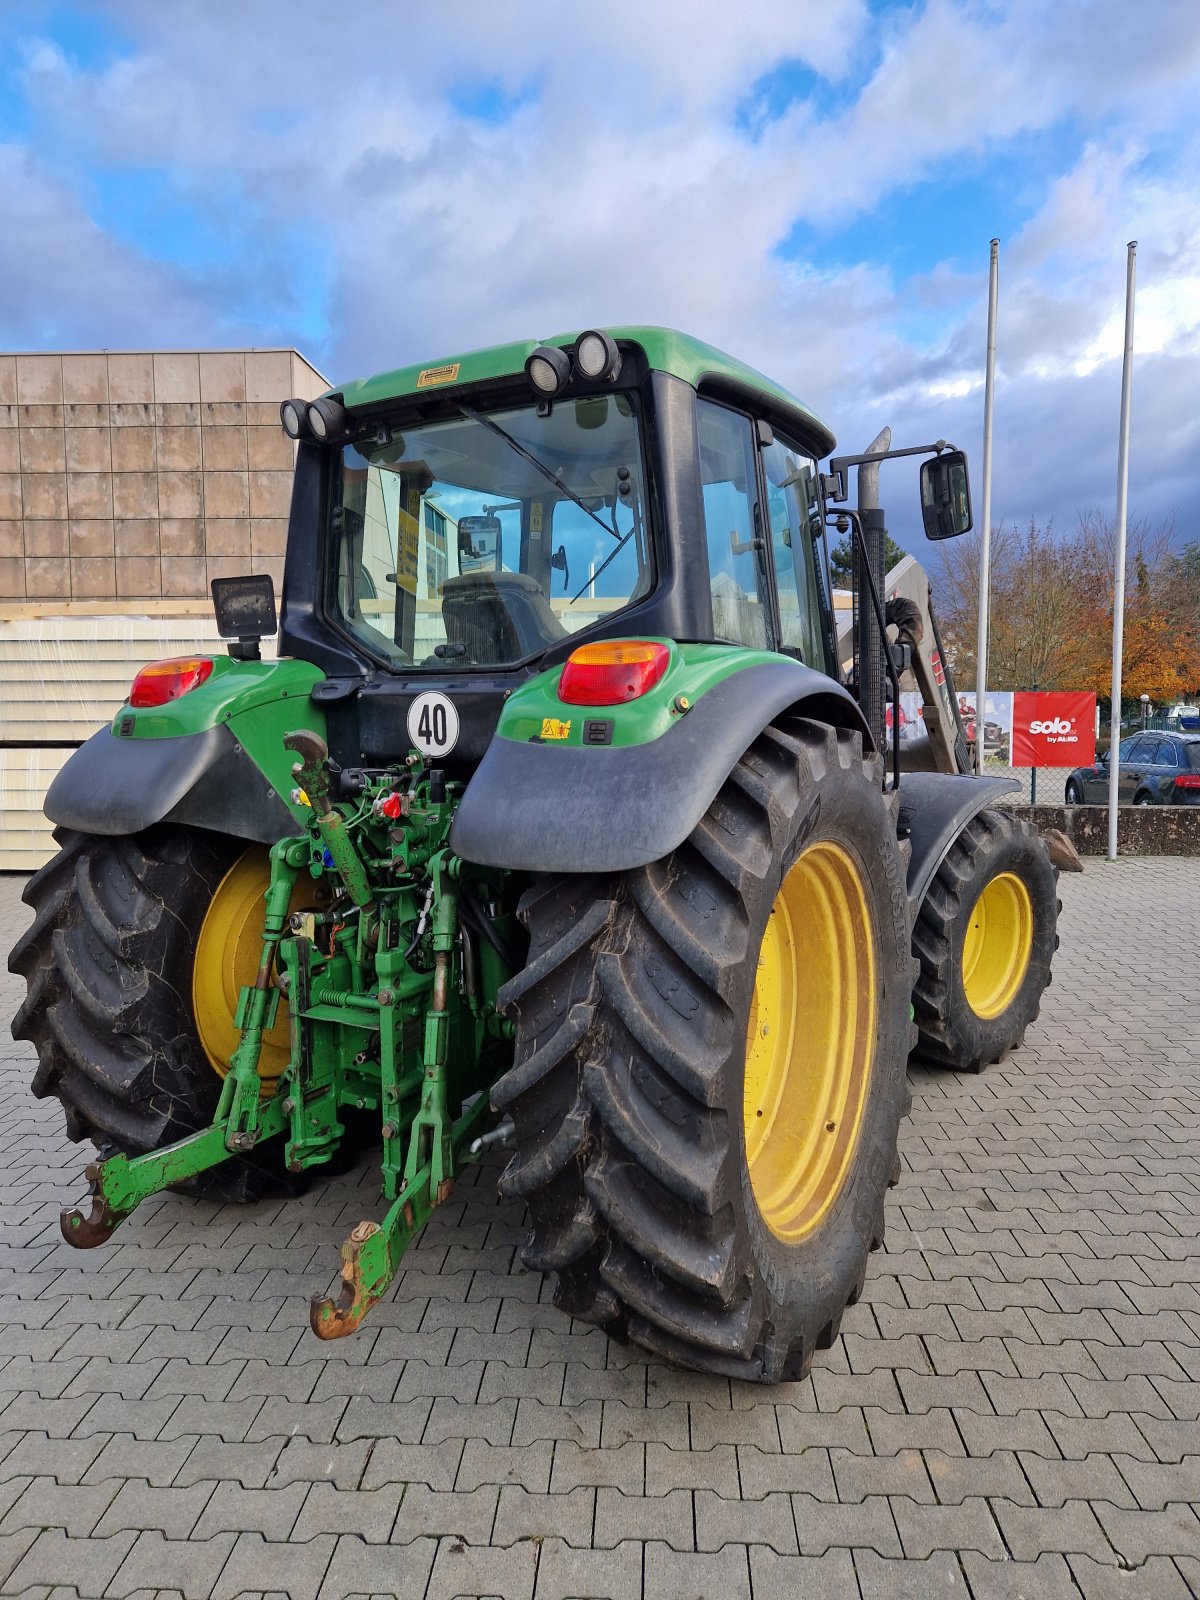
x=811, y=184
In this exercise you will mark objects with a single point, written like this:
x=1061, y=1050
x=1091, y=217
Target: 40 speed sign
x=433, y=724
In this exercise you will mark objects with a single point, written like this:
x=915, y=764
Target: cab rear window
x=483, y=540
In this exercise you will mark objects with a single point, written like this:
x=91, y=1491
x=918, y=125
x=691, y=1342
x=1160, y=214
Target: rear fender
x=934, y=809
x=212, y=759
x=543, y=804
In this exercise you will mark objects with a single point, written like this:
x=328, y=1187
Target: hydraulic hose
x=473, y=914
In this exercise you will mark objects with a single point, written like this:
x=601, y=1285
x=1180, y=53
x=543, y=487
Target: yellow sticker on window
x=535, y=517
x=435, y=375
x=552, y=728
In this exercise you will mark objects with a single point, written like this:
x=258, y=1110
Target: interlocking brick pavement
x=1010, y=1411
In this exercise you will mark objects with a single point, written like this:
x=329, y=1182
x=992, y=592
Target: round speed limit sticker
x=433, y=724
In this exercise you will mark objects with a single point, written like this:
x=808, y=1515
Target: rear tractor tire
x=984, y=940
x=133, y=962
x=709, y=1073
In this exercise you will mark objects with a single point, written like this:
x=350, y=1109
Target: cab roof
x=665, y=350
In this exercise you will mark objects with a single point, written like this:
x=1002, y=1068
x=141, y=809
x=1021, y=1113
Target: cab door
x=804, y=619
x=763, y=521
x=738, y=573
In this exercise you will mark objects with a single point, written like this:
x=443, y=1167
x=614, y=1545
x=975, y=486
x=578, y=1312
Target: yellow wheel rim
x=227, y=955
x=810, y=1041
x=997, y=945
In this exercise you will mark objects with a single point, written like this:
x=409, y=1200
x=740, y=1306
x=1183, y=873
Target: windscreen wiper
x=528, y=455
x=609, y=558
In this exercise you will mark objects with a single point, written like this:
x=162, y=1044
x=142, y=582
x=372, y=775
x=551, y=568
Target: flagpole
x=985, y=544
x=1114, y=721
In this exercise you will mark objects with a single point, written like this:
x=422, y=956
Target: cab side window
x=733, y=518
x=792, y=510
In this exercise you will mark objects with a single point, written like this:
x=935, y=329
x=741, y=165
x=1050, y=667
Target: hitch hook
x=333, y=1319
x=84, y=1233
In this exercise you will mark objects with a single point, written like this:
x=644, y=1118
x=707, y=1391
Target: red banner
x=1054, y=730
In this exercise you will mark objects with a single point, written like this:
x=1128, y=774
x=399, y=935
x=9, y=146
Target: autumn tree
x=1052, y=606
x=1161, y=656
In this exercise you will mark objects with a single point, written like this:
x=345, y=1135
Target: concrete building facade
x=135, y=477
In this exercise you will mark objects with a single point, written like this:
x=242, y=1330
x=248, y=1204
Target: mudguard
x=934, y=809
x=206, y=779
x=212, y=758
x=542, y=807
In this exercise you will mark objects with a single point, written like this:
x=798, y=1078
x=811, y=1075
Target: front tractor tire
x=710, y=1067
x=132, y=963
x=984, y=939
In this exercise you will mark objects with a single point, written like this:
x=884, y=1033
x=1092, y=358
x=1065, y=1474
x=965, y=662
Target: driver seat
x=498, y=616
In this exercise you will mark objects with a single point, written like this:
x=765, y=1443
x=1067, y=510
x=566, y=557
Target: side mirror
x=558, y=563
x=945, y=495
x=480, y=544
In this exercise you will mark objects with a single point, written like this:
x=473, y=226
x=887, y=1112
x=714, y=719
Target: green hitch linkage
x=120, y=1182
x=371, y=1255
x=312, y=774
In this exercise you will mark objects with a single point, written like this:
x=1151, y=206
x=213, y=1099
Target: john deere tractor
x=556, y=826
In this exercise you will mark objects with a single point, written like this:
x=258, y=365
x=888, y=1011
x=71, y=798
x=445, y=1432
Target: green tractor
x=557, y=826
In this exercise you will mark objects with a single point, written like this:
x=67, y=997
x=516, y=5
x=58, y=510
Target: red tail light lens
x=162, y=681
x=1188, y=780
x=612, y=671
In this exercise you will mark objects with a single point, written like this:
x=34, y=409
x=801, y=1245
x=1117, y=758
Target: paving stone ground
x=1012, y=1410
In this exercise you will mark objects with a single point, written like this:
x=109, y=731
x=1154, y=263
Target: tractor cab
x=474, y=522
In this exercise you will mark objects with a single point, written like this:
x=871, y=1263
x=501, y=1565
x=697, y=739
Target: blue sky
x=811, y=184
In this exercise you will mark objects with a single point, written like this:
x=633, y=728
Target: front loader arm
x=910, y=607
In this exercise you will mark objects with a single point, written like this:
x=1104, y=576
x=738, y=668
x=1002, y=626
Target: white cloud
x=622, y=188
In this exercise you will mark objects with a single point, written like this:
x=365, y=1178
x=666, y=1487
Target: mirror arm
x=834, y=481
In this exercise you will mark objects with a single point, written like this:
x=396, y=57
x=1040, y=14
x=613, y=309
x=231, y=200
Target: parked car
x=1155, y=769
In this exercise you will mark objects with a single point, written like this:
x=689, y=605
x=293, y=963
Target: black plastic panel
x=934, y=809
x=543, y=808
x=120, y=786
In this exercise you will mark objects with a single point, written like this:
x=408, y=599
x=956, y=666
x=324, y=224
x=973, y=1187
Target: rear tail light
x=162, y=681
x=1188, y=780
x=612, y=671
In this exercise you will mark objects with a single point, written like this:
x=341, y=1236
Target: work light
x=597, y=356
x=291, y=415
x=548, y=369
x=326, y=420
